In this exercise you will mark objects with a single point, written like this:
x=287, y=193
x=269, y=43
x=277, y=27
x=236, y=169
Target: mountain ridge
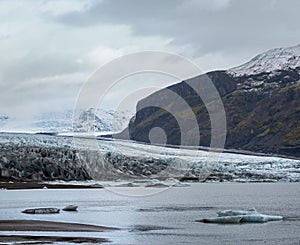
x=262, y=108
x=270, y=60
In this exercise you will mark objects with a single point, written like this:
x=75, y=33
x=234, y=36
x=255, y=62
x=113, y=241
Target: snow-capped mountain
x=101, y=120
x=271, y=60
x=89, y=120
x=261, y=100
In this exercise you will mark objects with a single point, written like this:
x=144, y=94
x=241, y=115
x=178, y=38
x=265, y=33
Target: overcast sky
x=48, y=49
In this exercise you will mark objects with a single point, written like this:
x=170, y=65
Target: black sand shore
x=39, y=185
x=48, y=226
x=40, y=225
x=24, y=239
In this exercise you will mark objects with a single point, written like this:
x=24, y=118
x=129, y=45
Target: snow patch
x=271, y=60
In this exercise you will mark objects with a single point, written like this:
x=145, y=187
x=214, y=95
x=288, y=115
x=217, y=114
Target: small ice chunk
x=236, y=212
x=255, y=218
x=250, y=215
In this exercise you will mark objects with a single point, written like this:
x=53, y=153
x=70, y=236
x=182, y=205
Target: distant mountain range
x=261, y=100
x=89, y=120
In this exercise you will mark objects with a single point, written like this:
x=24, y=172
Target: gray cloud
x=232, y=27
x=49, y=48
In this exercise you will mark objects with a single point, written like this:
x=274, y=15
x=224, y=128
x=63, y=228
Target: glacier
x=116, y=159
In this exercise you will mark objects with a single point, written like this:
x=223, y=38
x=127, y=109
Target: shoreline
x=18, y=185
x=29, y=239
x=39, y=186
x=49, y=226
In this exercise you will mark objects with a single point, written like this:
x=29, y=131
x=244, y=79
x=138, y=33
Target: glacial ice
x=246, y=216
x=249, y=215
x=189, y=162
x=236, y=212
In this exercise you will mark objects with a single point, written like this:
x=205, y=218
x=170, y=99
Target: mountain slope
x=101, y=120
x=261, y=100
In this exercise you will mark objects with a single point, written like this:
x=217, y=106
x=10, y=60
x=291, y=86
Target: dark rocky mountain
x=261, y=101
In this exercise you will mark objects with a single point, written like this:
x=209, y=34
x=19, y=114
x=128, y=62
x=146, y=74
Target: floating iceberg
x=127, y=185
x=272, y=217
x=259, y=218
x=179, y=184
x=250, y=215
x=41, y=211
x=154, y=183
x=222, y=220
x=236, y=212
x=241, y=216
x=157, y=185
x=252, y=218
x=70, y=208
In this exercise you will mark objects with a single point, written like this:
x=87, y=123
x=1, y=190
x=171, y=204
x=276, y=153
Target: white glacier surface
x=230, y=167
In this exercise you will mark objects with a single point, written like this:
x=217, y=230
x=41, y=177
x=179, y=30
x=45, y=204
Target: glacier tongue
x=114, y=159
x=271, y=60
